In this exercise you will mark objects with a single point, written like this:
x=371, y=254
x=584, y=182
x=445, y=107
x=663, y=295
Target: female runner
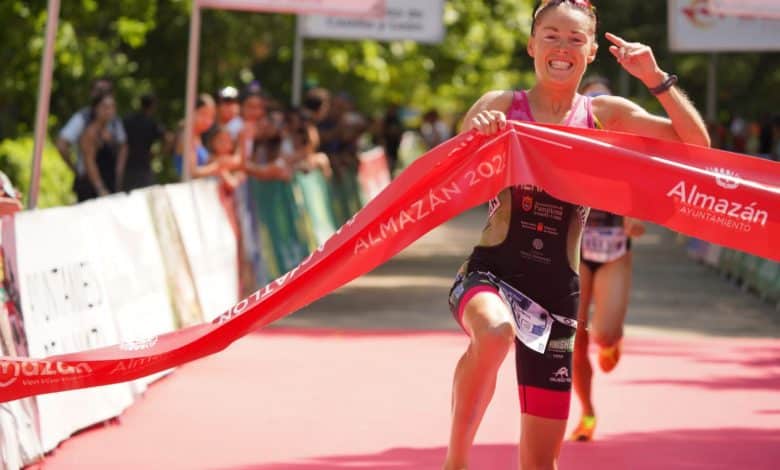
x=528, y=255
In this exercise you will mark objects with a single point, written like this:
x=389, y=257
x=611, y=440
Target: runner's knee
x=494, y=340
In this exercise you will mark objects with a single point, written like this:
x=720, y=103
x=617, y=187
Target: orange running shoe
x=609, y=357
x=584, y=430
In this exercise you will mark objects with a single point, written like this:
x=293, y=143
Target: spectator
x=326, y=116
x=142, y=132
x=766, y=137
x=223, y=154
x=252, y=112
x=352, y=124
x=70, y=134
x=739, y=132
x=104, y=164
x=197, y=156
x=434, y=131
x=390, y=134
x=228, y=110
x=260, y=138
x=340, y=132
x=316, y=105
x=752, y=138
x=299, y=144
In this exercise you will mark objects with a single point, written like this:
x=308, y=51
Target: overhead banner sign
x=403, y=20
x=696, y=26
x=750, y=8
x=361, y=8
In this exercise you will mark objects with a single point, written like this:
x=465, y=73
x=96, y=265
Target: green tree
x=142, y=44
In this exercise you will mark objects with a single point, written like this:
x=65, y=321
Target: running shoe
x=609, y=357
x=584, y=430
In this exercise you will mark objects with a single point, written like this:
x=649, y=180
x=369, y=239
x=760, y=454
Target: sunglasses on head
x=584, y=4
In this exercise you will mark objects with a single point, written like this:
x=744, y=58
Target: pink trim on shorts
x=544, y=403
x=465, y=299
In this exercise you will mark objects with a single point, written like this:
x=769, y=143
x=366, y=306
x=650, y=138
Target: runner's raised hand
x=637, y=59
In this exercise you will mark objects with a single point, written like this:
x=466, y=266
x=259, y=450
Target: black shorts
x=595, y=265
x=544, y=380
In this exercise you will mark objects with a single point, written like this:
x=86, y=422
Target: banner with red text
x=723, y=197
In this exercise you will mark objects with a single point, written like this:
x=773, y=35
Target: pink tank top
x=581, y=114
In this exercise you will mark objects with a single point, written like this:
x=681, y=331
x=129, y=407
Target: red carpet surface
x=299, y=400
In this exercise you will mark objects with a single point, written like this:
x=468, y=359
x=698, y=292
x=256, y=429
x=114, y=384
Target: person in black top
x=103, y=162
x=391, y=131
x=142, y=132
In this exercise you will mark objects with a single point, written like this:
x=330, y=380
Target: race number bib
x=604, y=244
x=532, y=322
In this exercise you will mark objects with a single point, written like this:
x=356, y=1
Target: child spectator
x=223, y=154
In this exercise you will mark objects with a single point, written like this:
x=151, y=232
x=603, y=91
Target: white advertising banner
x=695, y=27
x=10, y=450
x=65, y=309
x=209, y=242
x=181, y=287
x=19, y=418
x=414, y=20
x=131, y=266
x=365, y=8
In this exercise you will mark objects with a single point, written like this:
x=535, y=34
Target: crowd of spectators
x=240, y=134
x=759, y=137
x=235, y=135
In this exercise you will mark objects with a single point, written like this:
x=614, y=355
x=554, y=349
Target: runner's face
x=562, y=46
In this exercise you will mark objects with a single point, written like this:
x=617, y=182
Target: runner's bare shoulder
x=497, y=100
x=612, y=110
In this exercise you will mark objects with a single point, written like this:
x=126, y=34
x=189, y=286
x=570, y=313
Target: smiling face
x=562, y=45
